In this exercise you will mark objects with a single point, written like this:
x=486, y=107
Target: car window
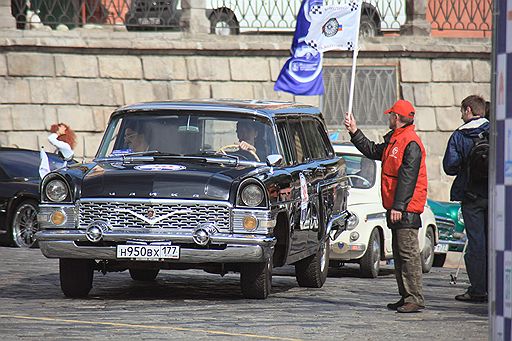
x=360, y=170
x=282, y=130
x=314, y=140
x=297, y=141
x=190, y=133
x=25, y=164
x=325, y=142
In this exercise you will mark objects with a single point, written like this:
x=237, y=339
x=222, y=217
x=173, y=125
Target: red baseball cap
x=402, y=107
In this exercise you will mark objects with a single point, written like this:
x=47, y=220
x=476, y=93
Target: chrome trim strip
x=155, y=201
x=452, y=242
x=232, y=254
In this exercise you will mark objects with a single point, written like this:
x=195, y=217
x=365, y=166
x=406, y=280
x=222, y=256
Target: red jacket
x=392, y=161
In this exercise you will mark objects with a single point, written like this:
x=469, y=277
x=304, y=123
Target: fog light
x=250, y=223
x=354, y=236
x=58, y=217
x=203, y=233
x=95, y=230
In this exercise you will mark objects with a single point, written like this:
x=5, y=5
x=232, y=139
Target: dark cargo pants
x=408, y=272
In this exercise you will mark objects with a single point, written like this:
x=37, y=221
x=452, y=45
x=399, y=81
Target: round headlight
x=352, y=222
x=252, y=195
x=56, y=190
x=460, y=217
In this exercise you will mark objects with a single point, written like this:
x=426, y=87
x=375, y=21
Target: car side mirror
x=274, y=160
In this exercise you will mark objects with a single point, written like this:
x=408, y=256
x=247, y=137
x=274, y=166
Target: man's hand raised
x=350, y=122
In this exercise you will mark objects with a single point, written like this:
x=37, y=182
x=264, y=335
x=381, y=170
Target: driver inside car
x=247, y=134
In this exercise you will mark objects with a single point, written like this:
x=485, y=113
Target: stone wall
x=80, y=77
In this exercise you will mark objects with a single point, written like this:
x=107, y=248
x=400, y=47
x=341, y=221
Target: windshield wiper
x=145, y=156
x=215, y=157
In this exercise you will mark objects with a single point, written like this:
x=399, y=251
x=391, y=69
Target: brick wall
x=80, y=77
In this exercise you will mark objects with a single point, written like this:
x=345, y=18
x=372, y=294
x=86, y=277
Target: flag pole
x=354, y=63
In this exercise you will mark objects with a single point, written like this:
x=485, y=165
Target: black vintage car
x=223, y=186
x=19, y=194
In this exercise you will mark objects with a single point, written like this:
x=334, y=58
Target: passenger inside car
x=135, y=137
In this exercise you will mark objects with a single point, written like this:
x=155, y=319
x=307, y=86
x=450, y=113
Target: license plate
x=148, y=252
x=149, y=21
x=441, y=248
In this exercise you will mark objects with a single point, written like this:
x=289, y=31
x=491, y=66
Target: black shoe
x=410, y=308
x=395, y=306
x=467, y=297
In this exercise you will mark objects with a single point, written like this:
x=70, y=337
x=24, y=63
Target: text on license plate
x=148, y=252
x=441, y=248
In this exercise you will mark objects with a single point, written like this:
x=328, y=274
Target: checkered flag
x=350, y=46
x=312, y=43
x=316, y=9
x=353, y=6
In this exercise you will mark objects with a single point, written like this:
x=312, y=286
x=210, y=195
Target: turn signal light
x=250, y=223
x=58, y=218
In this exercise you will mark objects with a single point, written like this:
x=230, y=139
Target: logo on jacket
x=394, y=151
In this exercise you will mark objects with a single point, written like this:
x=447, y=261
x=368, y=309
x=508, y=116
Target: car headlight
x=352, y=222
x=56, y=190
x=460, y=217
x=252, y=195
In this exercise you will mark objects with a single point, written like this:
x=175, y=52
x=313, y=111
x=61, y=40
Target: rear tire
x=439, y=260
x=311, y=272
x=24, y=224
x=427, y=255
x=144, y=275
x=370, y=262
x=76, y=277
x=256, y=279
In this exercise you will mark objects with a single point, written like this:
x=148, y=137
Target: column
x=193, y=19
x=416, y=22
x=7, y=21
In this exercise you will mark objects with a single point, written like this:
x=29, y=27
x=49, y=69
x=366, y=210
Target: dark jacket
x=408, y=174
x=455, y=157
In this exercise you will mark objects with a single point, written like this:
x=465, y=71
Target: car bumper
x=229, y=248
x=347, y=251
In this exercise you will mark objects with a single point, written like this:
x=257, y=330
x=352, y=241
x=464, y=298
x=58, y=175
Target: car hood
x=444, y=209
x=363, y=196
x=163, y=181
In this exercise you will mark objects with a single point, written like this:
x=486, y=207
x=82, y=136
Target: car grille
x=446, y=227
x=124, y=214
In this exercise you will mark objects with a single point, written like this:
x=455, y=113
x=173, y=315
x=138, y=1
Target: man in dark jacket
x=473, y=196
x=404, y=193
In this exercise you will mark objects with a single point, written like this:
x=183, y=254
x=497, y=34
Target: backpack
x=477, y=165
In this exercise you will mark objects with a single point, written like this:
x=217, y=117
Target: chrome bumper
x=238, y=248
x=452, y=242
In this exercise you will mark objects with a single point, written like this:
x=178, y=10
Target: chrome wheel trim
x=323, y=257
x=24, y=225
x=376, y=254
x=429, y=251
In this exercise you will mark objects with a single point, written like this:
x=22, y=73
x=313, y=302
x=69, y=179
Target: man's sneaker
x=410, y=308
x=395, y=306
x=467, y=297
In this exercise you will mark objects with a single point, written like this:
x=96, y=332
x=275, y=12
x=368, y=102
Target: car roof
x=258, y=107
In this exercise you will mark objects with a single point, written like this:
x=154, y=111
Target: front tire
x=144, y=275
x=370, y=262
x=256, y=279
x=76, y=277
x=311, y=272
x=24, y=224
x=427, y=255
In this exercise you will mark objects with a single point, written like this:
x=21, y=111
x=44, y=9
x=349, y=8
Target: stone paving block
x=407, y=90
x=481, y=71
x=448, y=118
x=91, y=143
x=422, y=94
x=50, y=116
x=30, y=64
x=442, y=94
x=80, y=118
x=434, y=167
x=5, y=118
x=121, y=67
x=138, y=91
x=189, y=90
x=164, y=68
x=100, y=122
x=54, y=90
x=20, y=139
x=415, y=70
x=266, y=91
x=237, y=90
x=160, y=90
x=83, y=66
x=425, y=119
x=14, y=91
x=309, y=100
x=249, y=69
x=463, y=90
x=435, y=142
x=439, y=190
x=276, y=64
x=451, y=70
x=208, y=69
x=28, y=117
x=99, y=92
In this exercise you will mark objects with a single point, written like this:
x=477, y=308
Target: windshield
x=361, y=170
x=190, y=134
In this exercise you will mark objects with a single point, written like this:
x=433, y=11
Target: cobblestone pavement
x=191, y=304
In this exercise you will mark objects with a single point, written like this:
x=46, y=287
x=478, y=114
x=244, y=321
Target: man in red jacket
x=404, y=193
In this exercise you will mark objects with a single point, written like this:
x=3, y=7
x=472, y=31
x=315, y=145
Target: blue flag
x=302, y=72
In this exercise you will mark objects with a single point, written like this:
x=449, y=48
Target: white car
x=367, y=239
